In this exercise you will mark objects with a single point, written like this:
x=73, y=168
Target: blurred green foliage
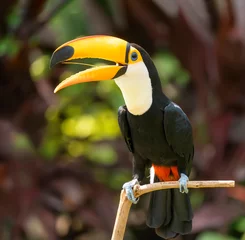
x=170, y=69
x=214, y=236
x=40, y=67
x=9, y=46
x=63, y=23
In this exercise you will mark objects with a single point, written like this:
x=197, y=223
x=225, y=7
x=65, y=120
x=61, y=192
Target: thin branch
x=140, y=190
x=122, y=217
x=125, y=204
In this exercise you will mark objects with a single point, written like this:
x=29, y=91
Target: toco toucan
x=156, y=130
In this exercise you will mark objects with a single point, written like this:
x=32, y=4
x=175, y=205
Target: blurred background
x=62, y=158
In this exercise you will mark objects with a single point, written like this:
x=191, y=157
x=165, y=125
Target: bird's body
x=156, y=131
x=146, y=139
x=148, y=136
x=159, y=135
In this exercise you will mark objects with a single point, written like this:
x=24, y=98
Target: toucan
x=156, y=130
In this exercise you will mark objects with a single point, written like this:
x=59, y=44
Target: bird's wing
x=178, y=133
x=124, y=127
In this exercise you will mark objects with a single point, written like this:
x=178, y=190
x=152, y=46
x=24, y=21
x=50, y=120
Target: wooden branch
x=125, y=204
x=122, y=217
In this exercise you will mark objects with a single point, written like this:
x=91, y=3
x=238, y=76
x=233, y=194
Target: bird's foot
x=183, y=183
x=128, y=187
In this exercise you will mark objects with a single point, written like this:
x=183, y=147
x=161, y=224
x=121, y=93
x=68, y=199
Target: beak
x=100, y=47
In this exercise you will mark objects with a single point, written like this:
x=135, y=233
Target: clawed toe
x=183, y=183
x=128, y=187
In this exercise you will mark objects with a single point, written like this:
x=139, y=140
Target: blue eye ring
x=134, y=56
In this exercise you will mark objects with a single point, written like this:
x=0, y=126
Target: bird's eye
x=134, y=56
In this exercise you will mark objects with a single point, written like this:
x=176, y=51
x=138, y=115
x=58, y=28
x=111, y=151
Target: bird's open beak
x=100, y=47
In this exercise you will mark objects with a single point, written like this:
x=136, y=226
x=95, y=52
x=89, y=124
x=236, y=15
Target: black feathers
x=178, y=133
x=124, y=127
x=178, y=130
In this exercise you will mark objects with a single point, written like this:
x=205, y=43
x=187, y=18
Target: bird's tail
x=170, y=213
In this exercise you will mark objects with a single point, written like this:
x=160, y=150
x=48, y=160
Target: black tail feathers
x=170, y=213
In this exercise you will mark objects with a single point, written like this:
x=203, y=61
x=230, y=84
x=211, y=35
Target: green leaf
x=49, y=147
x=213, y=236
x=22, y=142
x=197, y=198
x=9, y=46
x=243, y=236
x=106, y=125
x=14, y=17
x=103, y=154
x=63, y=23
x=82, y=126
x=118, y=178
x=240, y=225
x=169, y=68
x=40, y=67
x=76, y=148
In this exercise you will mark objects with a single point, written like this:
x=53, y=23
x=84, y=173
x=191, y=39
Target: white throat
x=136, y=88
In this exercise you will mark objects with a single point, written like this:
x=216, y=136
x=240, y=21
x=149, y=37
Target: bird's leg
x=129, y=188
x=183, y=183
x=183, y=176
x=138, y=175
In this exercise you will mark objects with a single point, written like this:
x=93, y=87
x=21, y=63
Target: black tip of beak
x=61, y=55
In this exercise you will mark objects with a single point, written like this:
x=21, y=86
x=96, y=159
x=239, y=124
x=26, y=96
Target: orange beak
x=100, y=47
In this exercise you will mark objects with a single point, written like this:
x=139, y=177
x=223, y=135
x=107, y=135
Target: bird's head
x=131, y=69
